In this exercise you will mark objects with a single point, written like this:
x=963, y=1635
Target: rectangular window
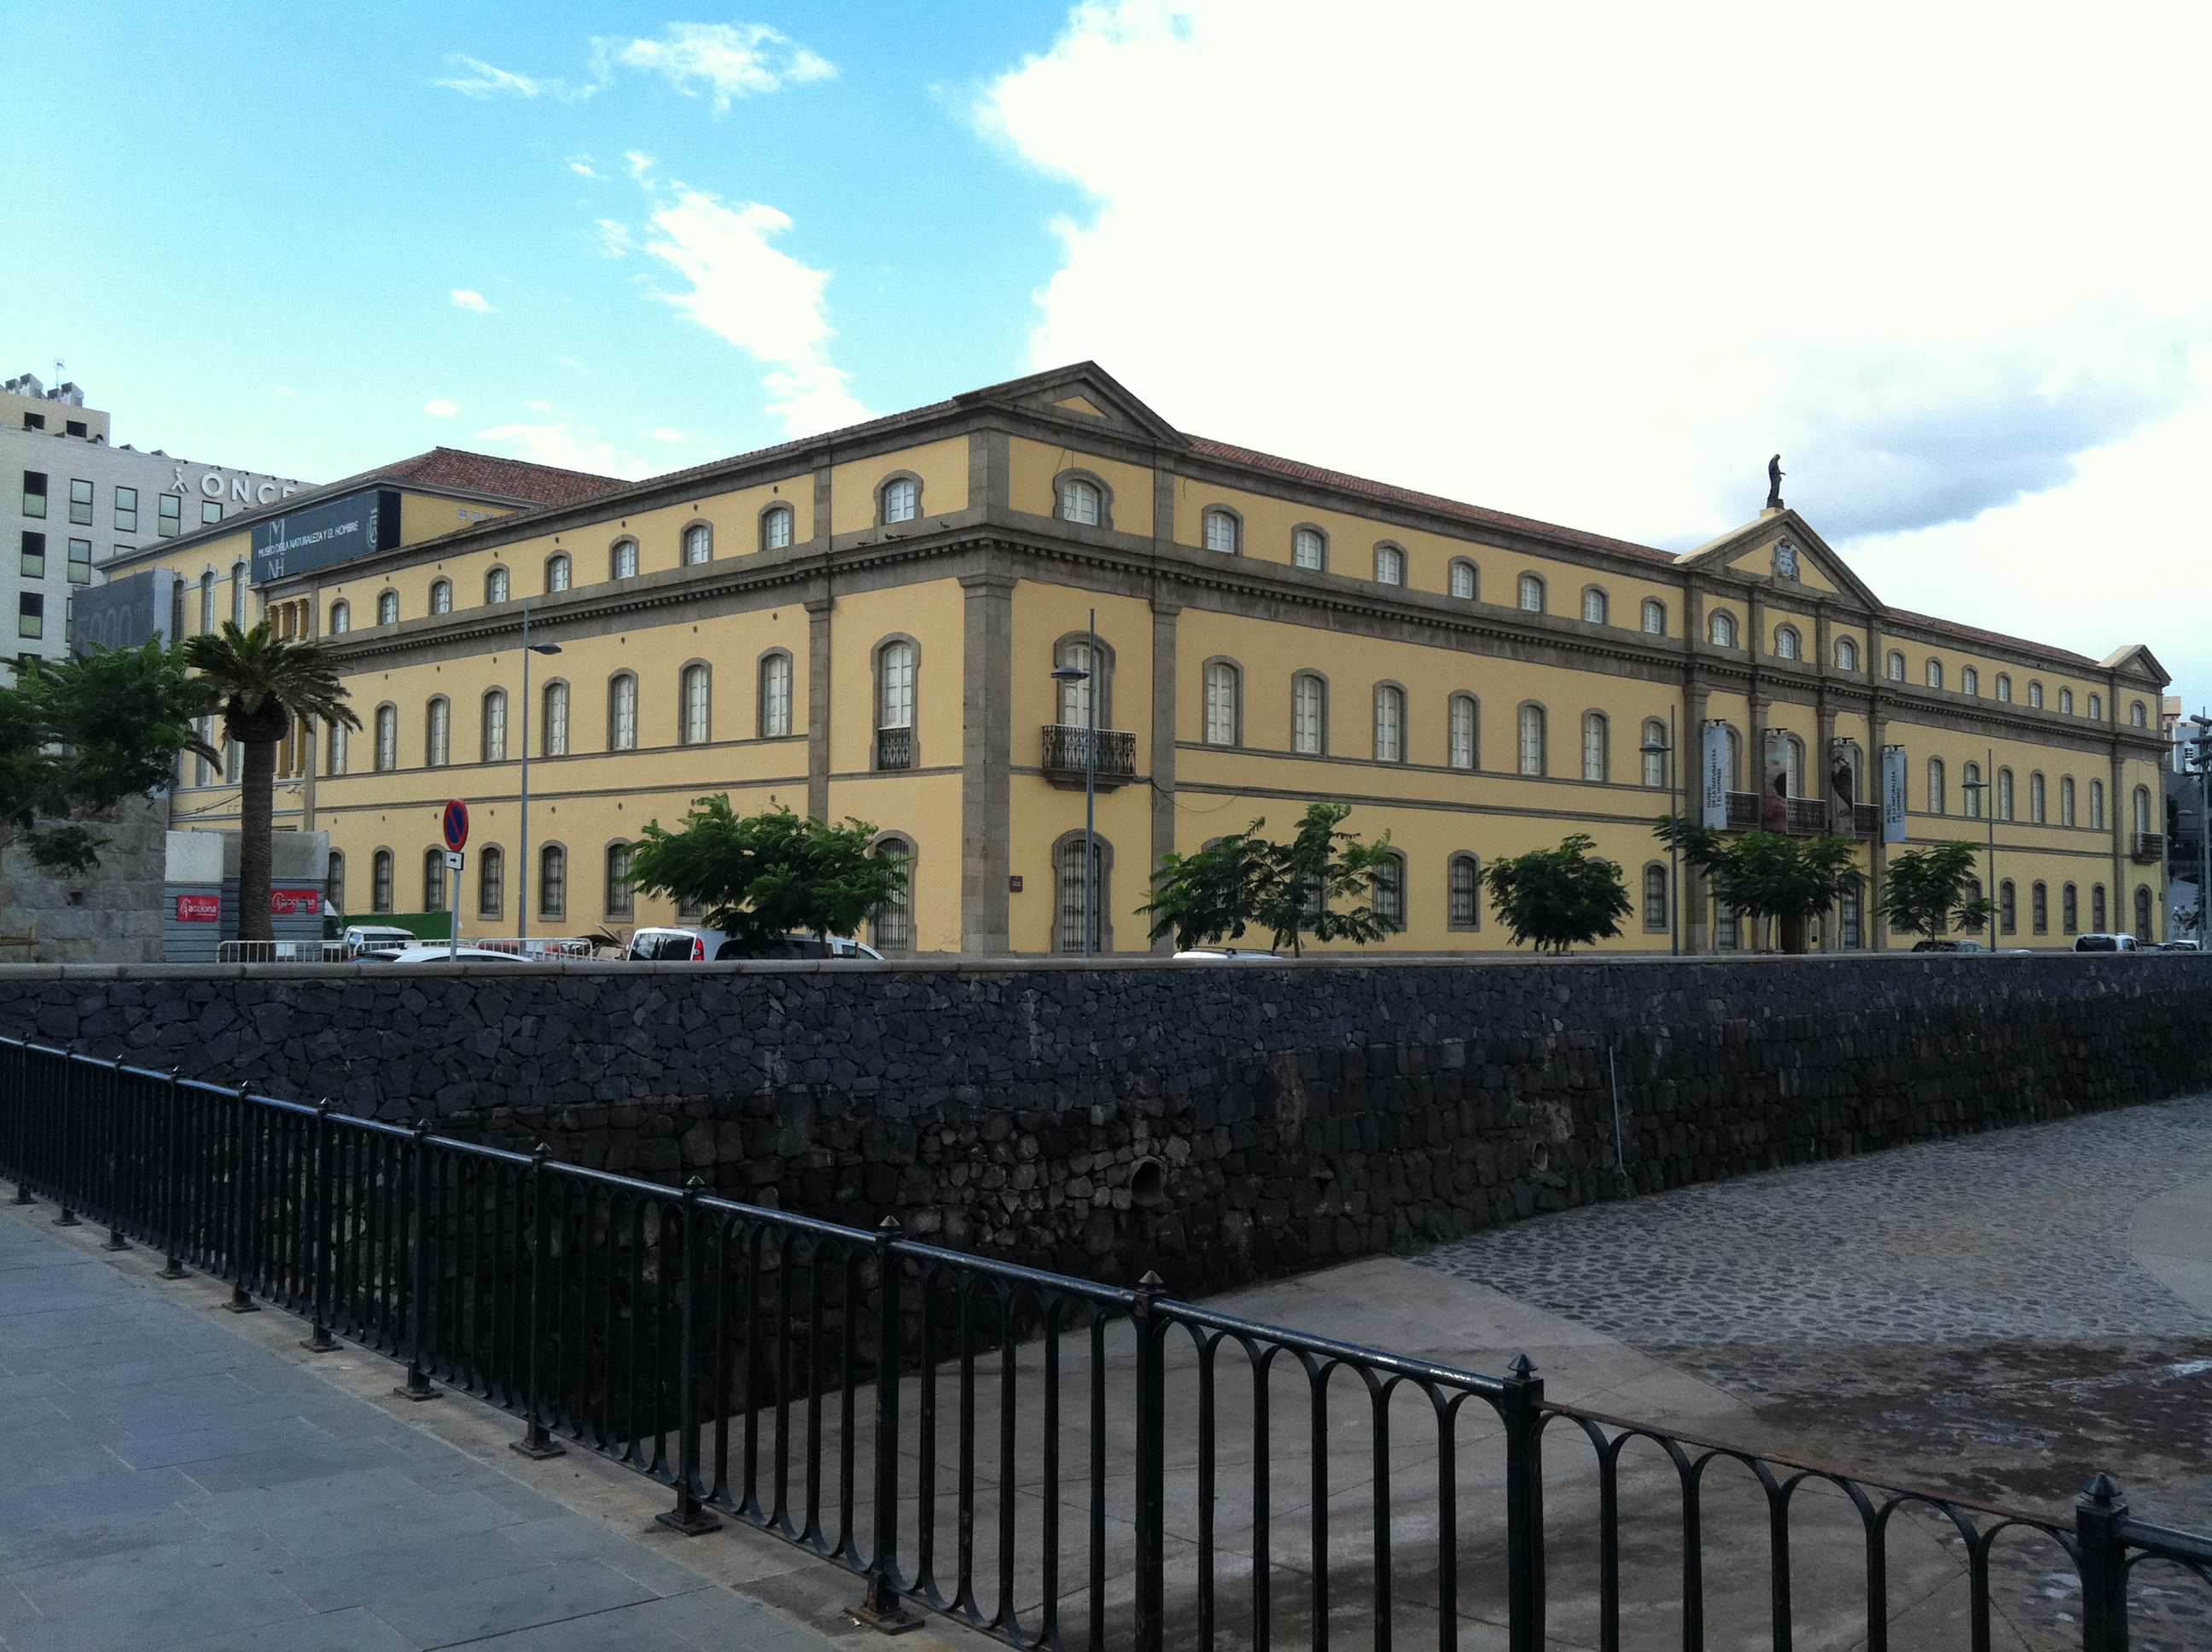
x=35, y=555
x=80, y=561
x=35, y=494
x=35, y=421
x=170, y=519
x=30, y=615
x=126, y=510
x=210, y=510
x=80, y=503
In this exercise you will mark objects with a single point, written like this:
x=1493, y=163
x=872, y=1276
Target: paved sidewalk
x=169, y=1479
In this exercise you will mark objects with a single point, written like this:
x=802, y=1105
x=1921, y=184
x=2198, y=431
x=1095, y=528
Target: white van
x=378, y=938
x=683, y=945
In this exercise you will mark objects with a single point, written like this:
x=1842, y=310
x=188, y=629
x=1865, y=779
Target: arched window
x=2039, y=907
x=1075, y=693
x=438, y=732
x=1734, y=758
x=1597, y=608
x=441, y=596
x=238, y=599
x=902, y=500
x=775, y=695
x=379, y=881
x=1466, y=579
x=206, y=600
x=698, y=544
x=495, y=726
x=2035, y=797
x=1937, y=804
x=1463, y=886
x=1655, y=762
x=1970, y=681
x=621, y=560
x=2004, y=794
x=1934, y=673
x=1223, y=702
x=2096, y=708
x=554, y=721
x=1387, y=894
x=433, y=880
x=1654, y=618
x=2137, y=717
x=1847, y=654
x=334, y=748
x=2145, y=930
x=2143, y=812
x=2097, y=924
x=1532, y=593
x=2034, y=695
x=1532, y=754
x=341, y=618
x=2097, y=806
x=775, y=528
x=552, y=881
x=621, y=712
x=1309, y=714
x=1309, y=549
x=1786, y=644
x=2008, y=908
x=334, y=881
x=2004, y=688
x=491, y=881
x=1080, y=502
x=621, y=900
x=1389, y=565
x=1970, y=783
x=895, y=664
x=1221, y=532
x=559, y=573
x=387, y=737
x=1656, y=920
x=1598, y=746
x=387, y=609
x=2066, y=800
x=891, y=927
x=495, y=585
x=1464, y=731
x=2069, y=910
x=1389, y=723
x=694, y=686
x=1076, y=885
x=1722, y=629
x=1793, y=766
x=1896, y=666
x=2066, y=702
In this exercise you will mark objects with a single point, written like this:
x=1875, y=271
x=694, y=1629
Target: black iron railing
x=894, y=748
x=1056, y=1463
x=1065, y=746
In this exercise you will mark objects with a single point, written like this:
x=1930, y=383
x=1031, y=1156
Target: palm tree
x=262, y=686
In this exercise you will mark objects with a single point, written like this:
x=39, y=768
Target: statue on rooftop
x=1774, y=475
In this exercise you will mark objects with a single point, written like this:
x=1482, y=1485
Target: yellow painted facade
x=918, y=697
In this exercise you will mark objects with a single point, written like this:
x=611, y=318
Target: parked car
x=2106, y=943
x=1229, y=955
x=378, y=938
x=1948, y=946
x=2181, y=946
x=442, y=953
x=677, y=944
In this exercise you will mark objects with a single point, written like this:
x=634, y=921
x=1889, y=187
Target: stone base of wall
x=1219, y=1125
x=111, y=914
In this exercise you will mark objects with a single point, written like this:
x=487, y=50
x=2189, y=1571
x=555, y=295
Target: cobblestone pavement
x=2019, y=1233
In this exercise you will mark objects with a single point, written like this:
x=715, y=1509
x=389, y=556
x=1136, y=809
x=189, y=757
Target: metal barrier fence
x=1055, y=1463
x=533, y=946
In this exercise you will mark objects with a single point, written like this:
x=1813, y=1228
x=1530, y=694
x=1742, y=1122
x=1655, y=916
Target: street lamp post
x=1987, y=786
x=1078, y=674
x=1665, y=753
x=522, y=856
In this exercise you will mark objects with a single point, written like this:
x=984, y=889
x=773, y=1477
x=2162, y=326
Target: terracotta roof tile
x=453, y=467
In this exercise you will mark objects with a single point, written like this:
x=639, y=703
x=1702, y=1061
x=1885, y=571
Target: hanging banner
x=1892, y=794
x=1713, y=765
x=1843, y=788
x=1774, y=783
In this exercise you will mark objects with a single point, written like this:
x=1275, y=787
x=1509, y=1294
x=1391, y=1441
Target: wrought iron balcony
x=894, y=748
x=2150, y=847
x=1064, y=748
x=1804, y=817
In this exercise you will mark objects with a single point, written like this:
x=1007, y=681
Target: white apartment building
x=71, y=502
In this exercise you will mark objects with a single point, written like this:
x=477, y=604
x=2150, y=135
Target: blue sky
x=1591, y=263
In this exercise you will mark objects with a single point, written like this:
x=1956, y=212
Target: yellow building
x=865, y=624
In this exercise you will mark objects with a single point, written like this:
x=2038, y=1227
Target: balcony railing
x=894, y=748
x=1066, y=744
x=2150, y=847
x=1805, y=816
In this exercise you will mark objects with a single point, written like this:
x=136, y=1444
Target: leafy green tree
x=1558, y=898
x=760, y=878
x=1310, y=885
x=1792, y=880
x=79, y=735
x=1926, y=890
x=262, y=686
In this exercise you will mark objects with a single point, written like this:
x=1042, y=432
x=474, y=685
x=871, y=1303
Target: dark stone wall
x=1219, y=1123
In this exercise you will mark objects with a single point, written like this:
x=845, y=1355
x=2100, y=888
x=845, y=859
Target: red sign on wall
x=285, y=901
x=199, y=908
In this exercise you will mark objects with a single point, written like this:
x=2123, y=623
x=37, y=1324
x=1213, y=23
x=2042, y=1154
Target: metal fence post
x=1151, y=1467
x=417, y=1386
x=16, y=1081
x=112, y=1159
x=319, y=1240
x=71, y=1132
x=690, y=1515
x=537, y=1439
x=241, y=1205
x=173, y=1176
x=882, y=1609
x=2099, y=1513
x=1522, y=1413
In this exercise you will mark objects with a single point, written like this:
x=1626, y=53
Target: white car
x=365, y=939
x=439, y=952
x=684, y=945
x=1229, y=955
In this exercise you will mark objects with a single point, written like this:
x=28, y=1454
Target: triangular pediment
x=1781, y=550
x=2136, y=660
x=1085, y=394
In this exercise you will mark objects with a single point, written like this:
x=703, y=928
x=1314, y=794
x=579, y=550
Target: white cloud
x=582, y=167
x=731, y=60
x=1595, y=264
x=465, y=300
x=540, y=407
x=613, y=238
x=765, y=302
x=638, y=164
x=662, y=433
x=439, y=408
x=572, y=446
x=484, y=80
